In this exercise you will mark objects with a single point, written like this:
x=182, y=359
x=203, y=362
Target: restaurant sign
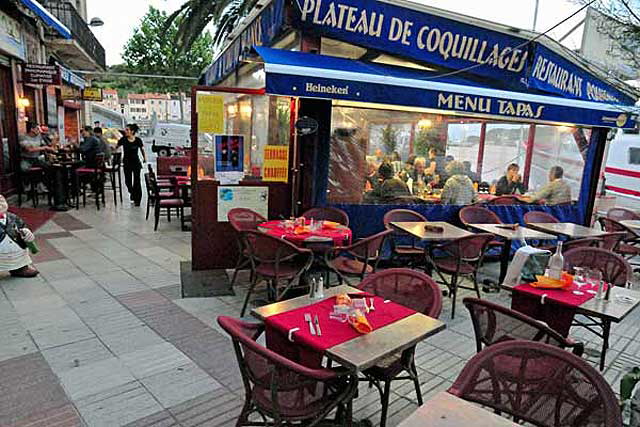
x=92, y=94
x=418, y=35
x=40, y=74
x=552, y=73
x=70, y=93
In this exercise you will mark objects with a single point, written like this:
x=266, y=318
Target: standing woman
x=131, y=144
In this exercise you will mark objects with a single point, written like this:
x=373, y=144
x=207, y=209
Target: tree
x=194, y=16
x=389, y=139
x=620, y=21
x=152, y=50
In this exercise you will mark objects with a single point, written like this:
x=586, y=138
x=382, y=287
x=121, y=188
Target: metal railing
x=80, y=31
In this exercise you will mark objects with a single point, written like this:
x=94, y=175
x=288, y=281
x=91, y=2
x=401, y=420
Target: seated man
x=90, y=147
x=458, y=190
x=33, y=147
x=390, y=188
x=511, y=182
x=556, y=191
x=14, y=236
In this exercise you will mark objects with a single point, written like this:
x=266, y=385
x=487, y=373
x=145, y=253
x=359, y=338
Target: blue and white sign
x=552, y=73
x=11, y=37
x=261, y=32
x=415, y=34
x=73, y=79
x=317, y=76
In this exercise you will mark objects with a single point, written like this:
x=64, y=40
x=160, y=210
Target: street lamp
x=96, y=22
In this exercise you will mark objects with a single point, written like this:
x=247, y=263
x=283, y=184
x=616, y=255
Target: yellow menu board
x=210, y=110
x=276, y=163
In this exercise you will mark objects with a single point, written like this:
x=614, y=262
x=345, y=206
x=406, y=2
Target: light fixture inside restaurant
x=232, y=110
x=96, y=22
x=23, y=102
x=424, y=123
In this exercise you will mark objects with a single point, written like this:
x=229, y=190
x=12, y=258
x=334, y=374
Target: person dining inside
x=390, y=187
x=458, y=189
x=437, y=164
x=556, y=191
x=419, y=177
x=511, y=182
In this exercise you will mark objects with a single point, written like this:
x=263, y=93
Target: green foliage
x=421, y=143
x=152, y=50
x=389, y=139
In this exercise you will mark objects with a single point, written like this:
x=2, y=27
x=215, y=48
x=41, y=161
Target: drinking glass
x=578, y=276
x=594, y=276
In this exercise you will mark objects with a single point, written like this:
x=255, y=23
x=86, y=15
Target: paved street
x=102, y=337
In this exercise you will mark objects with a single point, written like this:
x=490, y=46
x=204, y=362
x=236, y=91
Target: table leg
x=504, y=260
x=606, y=330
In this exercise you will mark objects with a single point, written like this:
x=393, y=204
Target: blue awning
x=48, y=18
x=318, y=76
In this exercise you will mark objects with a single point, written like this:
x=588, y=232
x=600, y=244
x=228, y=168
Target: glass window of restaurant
x=250, y=123
x=387, y=154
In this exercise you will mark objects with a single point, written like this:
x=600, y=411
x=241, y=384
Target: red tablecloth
x=340, y=235
x=559, y=308
x=308, y=349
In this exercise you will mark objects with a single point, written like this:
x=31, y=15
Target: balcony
x=83, y=51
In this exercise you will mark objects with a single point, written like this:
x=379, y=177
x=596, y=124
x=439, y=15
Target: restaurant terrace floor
x=102, y=337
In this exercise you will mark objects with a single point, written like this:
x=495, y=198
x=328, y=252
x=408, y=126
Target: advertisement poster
x=210, y=109
x=254, y=198
x=92, y=94
x=229, y=158
x=276, y=163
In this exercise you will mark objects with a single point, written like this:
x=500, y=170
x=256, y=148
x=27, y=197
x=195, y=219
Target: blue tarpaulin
x=48, y=18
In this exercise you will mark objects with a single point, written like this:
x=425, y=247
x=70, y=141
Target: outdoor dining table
x=510, y=234
x=631, y=223
x=337, y=234
x=417, y=229
x=363, y=351
x=567, y=229
x=600, y=313
x=447, y=410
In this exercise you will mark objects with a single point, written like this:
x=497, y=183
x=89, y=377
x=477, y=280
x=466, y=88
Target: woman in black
x=130, y=144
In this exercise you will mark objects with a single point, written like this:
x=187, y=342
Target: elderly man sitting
x=458, y=190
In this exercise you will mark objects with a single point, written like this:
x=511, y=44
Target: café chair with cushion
x=168, y=202
x=621, y=214
x=533, y=217
x=280, y=391
x=95, y=177
x=539, y=384
x=417, y=291
x=33, y=178
x=398, y=240
x=458, y=259
x=357, y=259
x=115, y=178
x=629, y=247
x=151, y=193
x=241, y=220
x=327, y=214
x=614, y=268
x=494, y=323
x=274, y=260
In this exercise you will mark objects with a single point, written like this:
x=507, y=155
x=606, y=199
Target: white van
x=623, y=167
x=168, y=137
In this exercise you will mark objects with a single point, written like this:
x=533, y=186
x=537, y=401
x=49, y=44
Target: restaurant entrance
x=8, y=132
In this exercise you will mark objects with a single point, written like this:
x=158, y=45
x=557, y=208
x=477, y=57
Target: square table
x=613, y=310
x=417, y=230
x=568, y=229
x=364, y=351
x=447, y=410
x=509, y=235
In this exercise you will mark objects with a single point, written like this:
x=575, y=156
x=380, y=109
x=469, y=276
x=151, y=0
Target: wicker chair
x=242, y=220
x=412, y=289
x=611, y=241
x=493, y=323
x=274, y=260
x=281, y=390
x=463, y=257
x=628, y=247
x=621, y=214
x=412, y=254
x=533, y=217
x=328, y=214
x=357, y=259
x=479, y=215
x=540, y=384
x=614, y=268
x=505, y=200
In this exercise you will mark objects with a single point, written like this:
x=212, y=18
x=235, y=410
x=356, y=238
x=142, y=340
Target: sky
x=122, y=16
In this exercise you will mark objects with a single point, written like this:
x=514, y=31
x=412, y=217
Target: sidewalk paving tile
x=180, y=384
x=154, y=359
x=87, y=380
x=71, y=356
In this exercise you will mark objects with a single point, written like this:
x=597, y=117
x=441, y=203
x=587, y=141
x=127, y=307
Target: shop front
x=421, y=93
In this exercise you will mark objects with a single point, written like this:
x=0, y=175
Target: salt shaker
x=320, y=290
x=312, y=290
x=600, y=290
